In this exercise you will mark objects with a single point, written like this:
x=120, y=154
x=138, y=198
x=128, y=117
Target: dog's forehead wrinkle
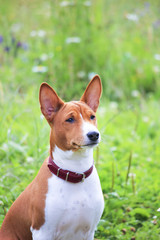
x=75, y=106
x=83, y=108
x=71, y=106
x=63, y=107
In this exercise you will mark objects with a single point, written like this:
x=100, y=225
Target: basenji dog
x=65, y=200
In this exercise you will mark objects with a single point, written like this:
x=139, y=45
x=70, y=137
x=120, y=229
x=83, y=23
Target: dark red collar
x=66, y=175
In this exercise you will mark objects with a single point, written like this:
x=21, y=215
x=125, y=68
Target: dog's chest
x=72, y=211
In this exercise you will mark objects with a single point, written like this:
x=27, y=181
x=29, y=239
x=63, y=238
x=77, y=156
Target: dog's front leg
x=43, y=234
x=90, y=237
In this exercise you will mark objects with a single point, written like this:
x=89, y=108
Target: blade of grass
x=129, y=166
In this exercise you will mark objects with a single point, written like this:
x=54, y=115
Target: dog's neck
x=78, y=161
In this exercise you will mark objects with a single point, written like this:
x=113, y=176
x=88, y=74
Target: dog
x=65, y=200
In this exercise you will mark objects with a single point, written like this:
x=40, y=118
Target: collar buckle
x=83, y=177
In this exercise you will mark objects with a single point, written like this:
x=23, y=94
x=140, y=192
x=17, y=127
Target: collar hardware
x=58, y=171
x=67, y=176
x=83, y=178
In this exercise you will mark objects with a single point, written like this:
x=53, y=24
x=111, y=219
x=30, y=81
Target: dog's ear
x=92, y=93
x=49, y=101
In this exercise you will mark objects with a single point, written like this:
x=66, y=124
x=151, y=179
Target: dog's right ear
x=49, y=101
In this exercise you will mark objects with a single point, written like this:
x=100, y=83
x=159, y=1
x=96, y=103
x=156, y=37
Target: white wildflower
x=135, y=155
x=41, y=33
x=113, y=105
x=5, y=147
x=149, y=159
x=33, y=33
x=66, y=4
x=44, y=57
x=87, y=3
x=135, y=93
x=157, y=57
x=145, y=119
x=81, y=74
x=158, y=210
x=132, y=17
x=9, y=131
x=70, y=40
x=39, y=69
x=30, y=159
x=16, y=27
x=133, y=175
x=156, y=69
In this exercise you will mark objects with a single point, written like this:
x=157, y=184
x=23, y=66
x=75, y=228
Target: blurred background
x=65, y=43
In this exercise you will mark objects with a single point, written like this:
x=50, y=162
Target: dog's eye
x=92, y=117
x=70, y=120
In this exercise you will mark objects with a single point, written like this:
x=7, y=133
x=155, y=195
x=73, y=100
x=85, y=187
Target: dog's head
x=73, y=124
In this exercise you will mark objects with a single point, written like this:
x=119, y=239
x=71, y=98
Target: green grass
x=132, y=195
x=125, y=53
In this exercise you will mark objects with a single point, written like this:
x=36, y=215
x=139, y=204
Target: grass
x=128, y=163
x=64, y=46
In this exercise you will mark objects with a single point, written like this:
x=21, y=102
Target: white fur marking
x=86, y=128
x=70, y=212
x=78, y=161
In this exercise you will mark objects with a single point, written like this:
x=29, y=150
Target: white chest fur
x=72, y=211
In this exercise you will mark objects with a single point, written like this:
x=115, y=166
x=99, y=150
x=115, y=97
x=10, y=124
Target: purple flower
x=156, y=24
x=19, y=44
x=13, y=40
x=147, y=5
x=7, y=49
x=1, y=39
x=25, y=46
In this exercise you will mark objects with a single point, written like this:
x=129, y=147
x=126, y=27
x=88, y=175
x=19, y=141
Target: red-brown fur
x=28, y=209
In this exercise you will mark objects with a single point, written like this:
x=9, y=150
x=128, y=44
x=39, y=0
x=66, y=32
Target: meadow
x=64, y=43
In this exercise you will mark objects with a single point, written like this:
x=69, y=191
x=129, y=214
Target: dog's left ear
x=92, y=93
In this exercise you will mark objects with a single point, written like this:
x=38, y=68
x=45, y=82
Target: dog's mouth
x=77, y=146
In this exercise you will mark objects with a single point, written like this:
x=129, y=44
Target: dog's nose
x=93, y=136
